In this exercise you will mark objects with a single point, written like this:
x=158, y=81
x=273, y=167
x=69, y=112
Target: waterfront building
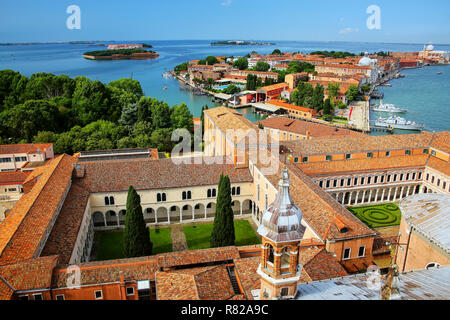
x=431, y=56
x=270, y=92
x=294, y=111
x=293, y=79
x=287, y=129
x=125, y=46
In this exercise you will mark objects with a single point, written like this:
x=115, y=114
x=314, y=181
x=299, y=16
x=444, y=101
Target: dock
x=360, y=115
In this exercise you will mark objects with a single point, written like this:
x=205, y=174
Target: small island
x=120, y=54
x=241, y=43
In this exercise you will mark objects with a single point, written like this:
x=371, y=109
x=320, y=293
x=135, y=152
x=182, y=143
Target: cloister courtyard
x=169, y=238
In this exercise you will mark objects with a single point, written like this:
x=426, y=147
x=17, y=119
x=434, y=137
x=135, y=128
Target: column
x=364, y=197
x=370, y=195
x=118, y=218
x=181, y=214
x=193, y=213
x=389, y=194
x=156, y=217
x=206, y=211
x=395, y=193
x=350, y=198
x=168, y=215
x=357, y=196
x=382, y=195
x=104, y=218
x=407, y=191
x=242, y=204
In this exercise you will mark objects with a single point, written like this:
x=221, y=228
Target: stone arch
x=149, y=215
x=236, y=207
x=199, y=211
x=211, y=210
x=162, y=215
x=186, y=212
x=285, y=256
x=111, y=218
x=122, y=216
x=98, y=219
x=247, y=206
x=270, y=253
x=174, y=212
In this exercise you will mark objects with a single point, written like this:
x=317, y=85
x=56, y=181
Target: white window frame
x=349, y=254
x=38, y=294
x=95, y=294
x=364, y=253
x=60, y=295
x=130, y=294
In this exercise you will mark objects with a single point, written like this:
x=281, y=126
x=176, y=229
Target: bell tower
x=281, y=232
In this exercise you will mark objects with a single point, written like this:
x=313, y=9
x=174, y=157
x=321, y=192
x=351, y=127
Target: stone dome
x=365, y=61
x=282, y=220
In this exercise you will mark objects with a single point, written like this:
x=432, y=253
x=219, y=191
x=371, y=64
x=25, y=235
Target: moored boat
x=386, y=107
x=398, y=123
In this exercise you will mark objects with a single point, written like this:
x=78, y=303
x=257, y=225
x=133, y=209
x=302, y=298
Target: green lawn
x=109, y=243
x=198, y=237
x=377, y=216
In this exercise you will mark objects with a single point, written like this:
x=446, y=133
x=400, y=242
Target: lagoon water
x=425, y=93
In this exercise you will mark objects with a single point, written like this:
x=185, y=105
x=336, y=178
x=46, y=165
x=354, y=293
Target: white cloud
x=348, y=30
x=227, y=3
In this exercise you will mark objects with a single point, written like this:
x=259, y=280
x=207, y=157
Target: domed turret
x=282, y=220
x=365, y=61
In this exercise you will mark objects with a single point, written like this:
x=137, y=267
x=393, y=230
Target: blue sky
x=402, y=21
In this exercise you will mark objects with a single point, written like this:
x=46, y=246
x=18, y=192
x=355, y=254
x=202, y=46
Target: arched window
x=285, y=256
x=238, y=191
x=164, y=198
x=189, y=195
x=432, y=265
x=184, y=195
x=270, y=257
x=111, y=201
x=158, y=197
x=106, y=201
x=233, y=191
x=214, y=194
x=209, y=193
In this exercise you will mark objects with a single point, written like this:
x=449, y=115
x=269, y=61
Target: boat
x=439, y=73
x=398, y=123
x=165, y=88
x=387, y=107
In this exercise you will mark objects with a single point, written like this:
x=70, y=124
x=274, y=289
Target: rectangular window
x=369, y=180
x=305, y=159
x=60, y=297
x=38, y=297
x=130, y=291
x=363, y=180
x=98, y=294
x=369, y=155
x=362, y=251
x=328, y=183
x=433, y=153
x=328, y=158
x=347, y=253
x=407, y=152
x=334, y=183
x=321, y=184
x=388, y=153
x=348, y=156
x=296, y=160
x=284, y=292
x=382, y=179
x=426, y=151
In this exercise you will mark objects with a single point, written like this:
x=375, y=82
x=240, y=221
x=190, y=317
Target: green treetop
x=136, y=238
x=223, y=232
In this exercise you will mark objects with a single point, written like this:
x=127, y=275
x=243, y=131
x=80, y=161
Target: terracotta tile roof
x=274, y=87
x=92, y=273
x=336, y=145
x=324, y=266
x=362, y=165
x=246, y=272
x=30, y=274
x=283, y=104
x=24, y=148
x=214, y=284
x=441, y=141
x=175, y=286
x=198, y=256
x=17, y=177
x=23, y=231
x=303, y=127
x=6, y=292
x=147, y=174
x=439, y=165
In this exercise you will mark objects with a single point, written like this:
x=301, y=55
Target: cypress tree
x=223, y=232
x=136, y=238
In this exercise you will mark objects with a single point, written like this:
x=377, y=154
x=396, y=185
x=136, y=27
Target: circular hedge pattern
x=377, y=216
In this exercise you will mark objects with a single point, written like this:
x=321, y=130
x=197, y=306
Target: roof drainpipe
x=407, y=249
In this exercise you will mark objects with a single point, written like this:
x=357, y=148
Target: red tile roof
x=16, y=177
x=30, y=274
x=24, y=148
x=25, y=228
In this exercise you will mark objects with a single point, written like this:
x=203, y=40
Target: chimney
x=78, y=170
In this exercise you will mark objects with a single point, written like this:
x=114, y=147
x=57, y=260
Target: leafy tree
x=45, y=137
x=333, y=91
x=182, y=67
x=160, y=114
x=276, y=52
x=136, y=237
x=182, y=118
x=144, y=113
x=327, y=107
x=251, y=82
x=223, y=234
x=241, y=63
x=318, y=97
x=232, y=89
x=298, y=67
x=128, y=85
x=161, y=139
x=352, y=93
x=129, y=115
x=262, y=66
x=365, y=89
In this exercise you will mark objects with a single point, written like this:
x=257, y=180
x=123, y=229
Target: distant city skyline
x=414, y=22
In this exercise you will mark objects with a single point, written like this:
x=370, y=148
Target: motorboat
x=387, y=107
x=398, y=123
